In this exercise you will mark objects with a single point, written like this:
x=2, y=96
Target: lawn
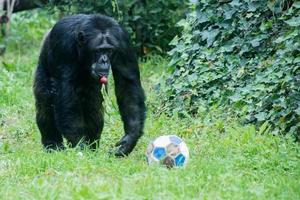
x=227, y=160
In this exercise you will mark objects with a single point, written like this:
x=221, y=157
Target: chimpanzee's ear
x=80, y=38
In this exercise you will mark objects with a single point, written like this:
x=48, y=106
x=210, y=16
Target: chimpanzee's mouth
x=100, y=72
x=101, y=77
x=103, y=80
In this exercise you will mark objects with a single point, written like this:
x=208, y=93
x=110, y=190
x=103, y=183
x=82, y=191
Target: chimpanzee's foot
x=75, y=140
x=93, y=145
x=53, y=146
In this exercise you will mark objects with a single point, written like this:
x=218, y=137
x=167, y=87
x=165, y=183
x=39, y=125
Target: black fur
x=68, y=97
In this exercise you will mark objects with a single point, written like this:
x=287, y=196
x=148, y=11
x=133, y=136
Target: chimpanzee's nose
x=103, y=58
x=101, y=68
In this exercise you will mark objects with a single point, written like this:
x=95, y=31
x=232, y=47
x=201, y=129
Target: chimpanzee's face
x=101, y=48
x=101, y=62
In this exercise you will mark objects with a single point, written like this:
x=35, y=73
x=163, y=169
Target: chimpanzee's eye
x=98, y=53
x=109, y=52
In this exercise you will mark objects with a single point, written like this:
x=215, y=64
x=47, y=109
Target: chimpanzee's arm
x=130, y=99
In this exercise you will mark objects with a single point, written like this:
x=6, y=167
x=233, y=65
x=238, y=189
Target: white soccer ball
x=169, y=150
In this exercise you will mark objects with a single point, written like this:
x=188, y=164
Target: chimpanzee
x=74, y=63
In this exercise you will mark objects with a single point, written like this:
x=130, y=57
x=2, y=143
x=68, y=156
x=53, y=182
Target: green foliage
x=151, y=23
x=243, y=56
x=28, y=28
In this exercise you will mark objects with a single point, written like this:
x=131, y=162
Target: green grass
x=227, y=160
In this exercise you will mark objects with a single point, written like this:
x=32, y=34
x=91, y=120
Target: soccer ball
x=168, y=150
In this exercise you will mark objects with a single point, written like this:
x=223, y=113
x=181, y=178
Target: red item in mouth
x=103, y=80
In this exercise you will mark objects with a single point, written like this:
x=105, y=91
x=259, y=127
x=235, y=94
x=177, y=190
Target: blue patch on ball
x=175, y=140
x=159, y=152
x=179, y=160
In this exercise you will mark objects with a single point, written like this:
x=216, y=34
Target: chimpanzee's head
x=100, y=47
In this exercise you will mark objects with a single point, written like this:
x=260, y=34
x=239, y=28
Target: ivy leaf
x=297, y=111
x=183, y=23
x=274, y=6
x=227, y=48
x=266, y=25
x=235, y=98
x=253, y=6
x=202, y=17
x=261, y=116
x=295, y=21
x=195, y=47
x=174, y=42
x=297, y=60
x=296, y=4
x=229, y=13
x=255, y=42
x=192, y=79
x=210, y=36
x=235, y=3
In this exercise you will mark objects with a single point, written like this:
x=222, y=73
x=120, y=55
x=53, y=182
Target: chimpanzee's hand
x=125, y=145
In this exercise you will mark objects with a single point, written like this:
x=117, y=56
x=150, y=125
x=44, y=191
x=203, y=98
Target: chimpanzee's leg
x=68, y=113
x=44, y=95
x=93, y=114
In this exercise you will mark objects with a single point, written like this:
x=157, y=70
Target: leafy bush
x=151, y=23
x=242, y=56
x=28, y=29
